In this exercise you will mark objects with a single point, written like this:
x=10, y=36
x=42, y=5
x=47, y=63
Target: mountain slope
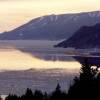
x=85, y=37
x=52, y=26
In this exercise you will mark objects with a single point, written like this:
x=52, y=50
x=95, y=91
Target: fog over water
x=18, y=55
x=36, y=65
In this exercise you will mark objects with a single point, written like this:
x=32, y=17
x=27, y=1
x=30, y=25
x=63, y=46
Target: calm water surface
x=36, y=65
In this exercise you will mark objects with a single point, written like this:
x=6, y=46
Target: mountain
x=86, y=37
x=52, y=27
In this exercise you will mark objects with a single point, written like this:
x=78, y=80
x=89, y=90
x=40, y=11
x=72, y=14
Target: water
x=16, y=82
x=34, y=64
x=18, y=55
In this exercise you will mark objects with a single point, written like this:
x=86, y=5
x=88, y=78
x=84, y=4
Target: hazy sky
x=14, y=13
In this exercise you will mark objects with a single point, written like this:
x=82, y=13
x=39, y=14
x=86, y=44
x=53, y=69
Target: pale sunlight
x=12, y=59
x=17, y=12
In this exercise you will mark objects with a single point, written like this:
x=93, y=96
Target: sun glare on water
x=17, y=60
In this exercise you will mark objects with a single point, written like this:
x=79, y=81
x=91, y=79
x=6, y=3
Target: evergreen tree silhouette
x=58, y=94
x=46, y=96
x=87, y=72
x=58, y=88
x=28, y=95
x=12, y=97
x=38, y=95
x=1, y=98
x=85, y=85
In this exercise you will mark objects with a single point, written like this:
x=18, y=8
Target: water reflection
x=22, y=54
x=46, y=66
x=15, y=59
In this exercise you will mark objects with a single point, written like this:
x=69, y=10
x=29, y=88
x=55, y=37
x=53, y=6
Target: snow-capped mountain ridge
x=53, y=27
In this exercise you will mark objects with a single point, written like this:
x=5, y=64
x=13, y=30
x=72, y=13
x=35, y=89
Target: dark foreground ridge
x=86, y=86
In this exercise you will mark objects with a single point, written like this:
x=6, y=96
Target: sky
x=14, y=13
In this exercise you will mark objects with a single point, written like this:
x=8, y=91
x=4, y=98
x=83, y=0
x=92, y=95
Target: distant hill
x=86, y=37
x=52, y=27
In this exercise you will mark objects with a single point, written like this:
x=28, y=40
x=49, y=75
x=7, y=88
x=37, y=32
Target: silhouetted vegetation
x=85, y=86
x=1, y=98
